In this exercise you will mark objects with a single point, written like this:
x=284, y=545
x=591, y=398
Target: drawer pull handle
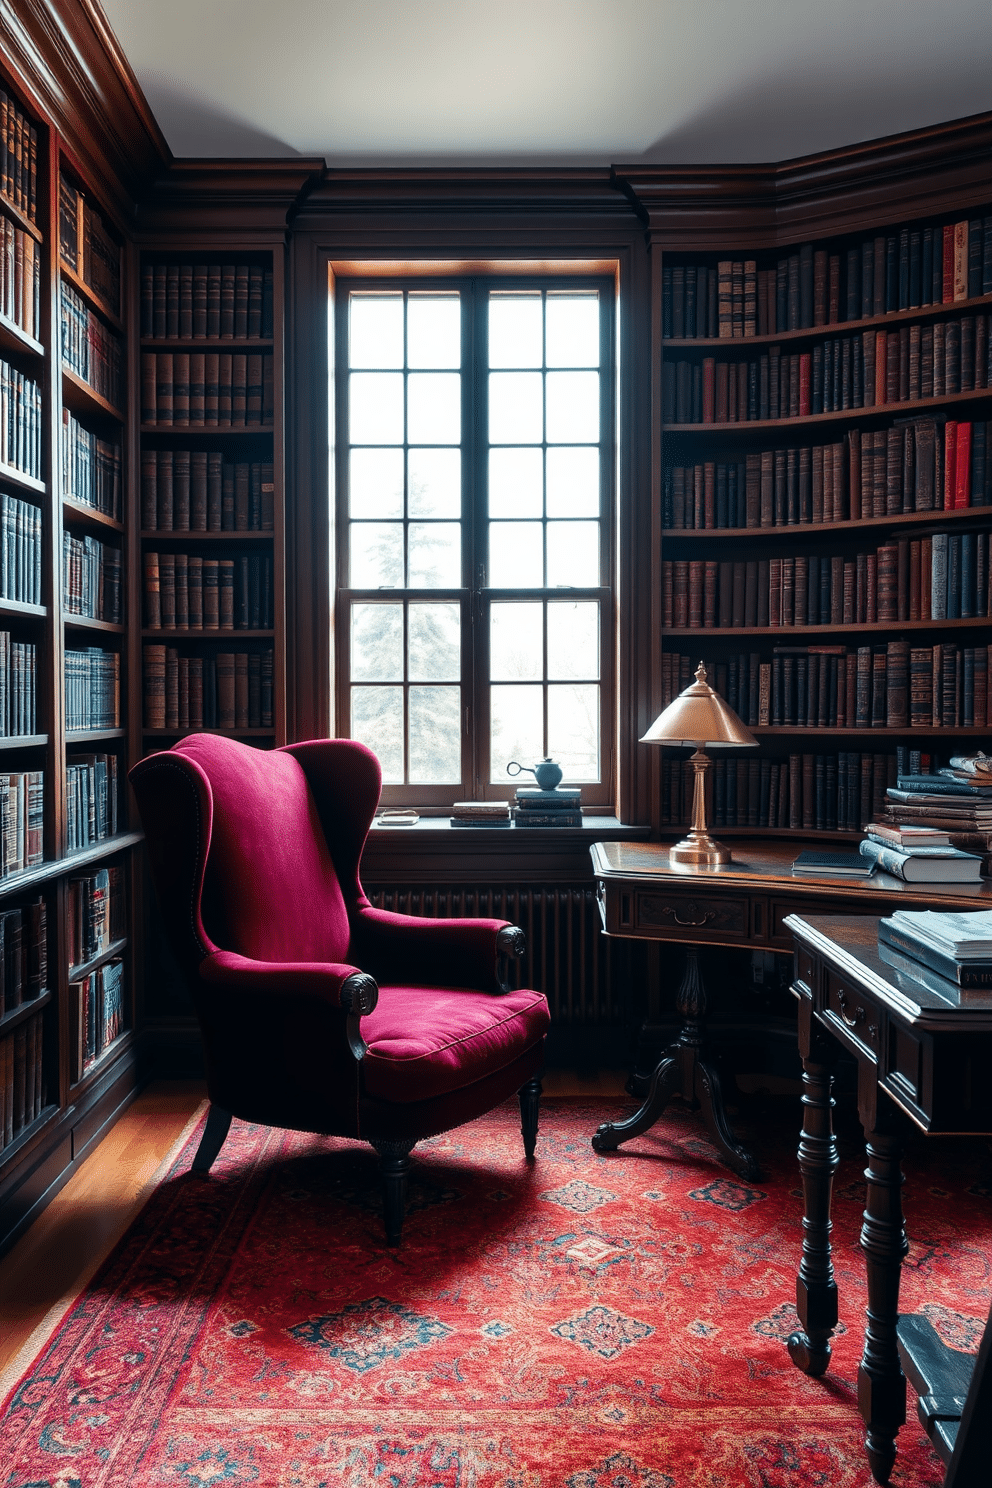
x=852, y=1020
x=710, y=914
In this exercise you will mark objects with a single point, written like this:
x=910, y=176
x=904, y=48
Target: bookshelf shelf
x=120, y=1045
x=24, y=1010
x=13, y=338
x=28, y=1138
x=207, y=343
x=86, y=622
x=89, y=516
x=23, y=741
x=20, y=218
x=844, y=417
x=792, y=632
x=894, y=318
x=84, y=968
x=969, y=516
x=91, y=736
x=186, y=536
x=207, y=635
x=226, y=431
x=229, y=733
x=78, y=395
x=929, y=731
x=86, y=292
x=9, y=476
x=21, y=609
x=54, y=868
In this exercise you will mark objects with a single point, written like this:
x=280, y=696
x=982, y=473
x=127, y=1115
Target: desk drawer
x=683, y=916
x=852, y=1015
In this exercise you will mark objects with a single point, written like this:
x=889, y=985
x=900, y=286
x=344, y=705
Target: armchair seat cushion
x=426, y=1042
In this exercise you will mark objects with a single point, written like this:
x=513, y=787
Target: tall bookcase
x=67, y=1025
x=823, y=496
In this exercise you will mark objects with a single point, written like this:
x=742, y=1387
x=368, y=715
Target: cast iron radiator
x=568, y=957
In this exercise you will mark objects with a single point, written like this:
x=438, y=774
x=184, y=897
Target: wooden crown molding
x=238, y=196
x=944, y=167
x=64, y=56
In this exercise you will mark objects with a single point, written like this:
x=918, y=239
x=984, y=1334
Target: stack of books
x=480, y=814
x=950, y=953
x=548, y=808
x=918, y=854
x=956, y=800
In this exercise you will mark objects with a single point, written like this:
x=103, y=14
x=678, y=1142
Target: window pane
x=435, y=643
x=375, y=483
x=573, y=330
x=516, y=643
x=435, y=735
x=377, y=720
x=377, y=643
x=376, y=555
x=516, y=488
x=515, y=330
x=573, y=554
x=434, y=482
x=573, y=640
x=517, y=728
x=573, y=407
x=434, y=407
x=433, y=331
x=375, y=408
x=573, y=729
x=573, y=482
x=435, y=555
x=516, y=407
x=376, y=338
x=516, y=555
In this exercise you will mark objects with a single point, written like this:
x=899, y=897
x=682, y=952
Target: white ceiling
x=551, y=82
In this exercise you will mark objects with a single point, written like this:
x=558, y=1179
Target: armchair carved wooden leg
x=529, y=1096
x=394, y=1164
x=214, y=1134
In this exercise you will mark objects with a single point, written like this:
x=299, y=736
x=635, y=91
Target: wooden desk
x=929, y=1056
x=743, y=903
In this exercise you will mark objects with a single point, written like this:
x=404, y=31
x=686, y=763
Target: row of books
x=18, y=687
x=811, y=792
x=91, y=799
x=21, y=821
x=18, y=157
x=23, y=1092
x=181, y=389
x=20, y=421
x=920, y=464
x=532, y=807
x=91, y=467
x=942, y=801
x=89, y=348
x=20, y=278
x=92, y=689
x=944, y=577
x=197, y=301
x=811, y=287
x=86, y=246
x=95, y=916
x=948, y=953
x=91, y=578
x=200, y=491
x=23, y=954
x=96, y=1016
x=20, y=550
x=869, y=370
x=184, y=591
x=918, y=855
x=229, y=689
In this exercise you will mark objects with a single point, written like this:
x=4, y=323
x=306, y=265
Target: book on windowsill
x=562, y=798
x=832, y=864
x=924, y=864
x=548, y=819
x=971, y=975
x=480, y=814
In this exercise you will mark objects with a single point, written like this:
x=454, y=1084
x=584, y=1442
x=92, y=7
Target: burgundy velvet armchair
x=319, y=1012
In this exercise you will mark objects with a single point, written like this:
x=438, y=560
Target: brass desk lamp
x=699, y=716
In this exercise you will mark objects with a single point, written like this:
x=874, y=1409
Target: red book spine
x=804, y=382
x=947, y=265
x=709, y=389
x=962, y=467
x=881, y=368
x=950, y=463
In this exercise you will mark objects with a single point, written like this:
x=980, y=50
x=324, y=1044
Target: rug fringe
x=17, y=1367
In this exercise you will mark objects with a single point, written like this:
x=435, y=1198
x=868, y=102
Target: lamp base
x=698, y=850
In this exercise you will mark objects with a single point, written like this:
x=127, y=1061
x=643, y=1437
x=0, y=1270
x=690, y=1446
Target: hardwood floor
x=54, y=1260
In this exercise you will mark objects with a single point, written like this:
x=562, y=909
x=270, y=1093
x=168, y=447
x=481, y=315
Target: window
x=475, y=457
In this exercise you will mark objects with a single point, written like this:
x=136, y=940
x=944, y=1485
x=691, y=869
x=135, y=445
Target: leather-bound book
x=709, y=594
x=211, y=594
x=225, y=689
x=194, y=581
x=180, y=490
x=163, y=388
x=166, y=504
x=183, y=693
x=153, y=598
x=766, y=492
x=239, y=389
x=737, y=298
x=154, y=686
x=738, y=607
x=225, y=591
x=750, y=618
x=780, y=489
x=725, y=594
x=167, y=589
x=750, y=308
x=255, y=691
x=914, y=579
x=149, y=387
x=199, y=298
x=211, y=389
x=172, y=301
x=833, y=289
x=698, y=500
x=182, y=592
x=149, y=490
x=241, y=275
x=709, y=390
x=241, y=689
x=678, y=302
x=696, y=568
x=680, y=570
x=820, y=287
x=196, y=692
x=228, y=274
x=962, y=466
x=197, y=387
x=198, y=491
x=774, y=592
x=224, y=390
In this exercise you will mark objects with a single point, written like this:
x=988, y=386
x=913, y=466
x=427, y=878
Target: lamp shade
x=699, y=716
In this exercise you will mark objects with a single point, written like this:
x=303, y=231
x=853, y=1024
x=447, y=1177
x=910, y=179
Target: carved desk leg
x=816, y=1290
x=881, y=1382
x=682, y=1070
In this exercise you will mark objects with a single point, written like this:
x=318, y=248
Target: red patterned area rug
x=612, y=1321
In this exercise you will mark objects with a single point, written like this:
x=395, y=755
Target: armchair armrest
x=335, y=984
x=445, y=952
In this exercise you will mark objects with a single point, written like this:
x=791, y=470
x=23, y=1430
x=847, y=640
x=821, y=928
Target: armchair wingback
x=318, y=1011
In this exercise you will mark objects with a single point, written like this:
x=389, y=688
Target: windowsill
x=592, y=828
